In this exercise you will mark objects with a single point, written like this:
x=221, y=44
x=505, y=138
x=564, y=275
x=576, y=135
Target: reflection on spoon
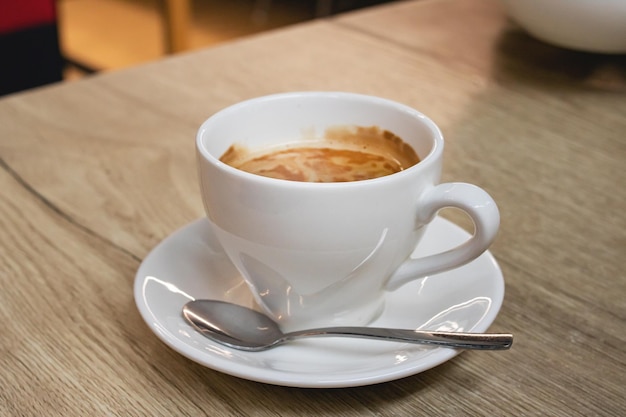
x=246, y=329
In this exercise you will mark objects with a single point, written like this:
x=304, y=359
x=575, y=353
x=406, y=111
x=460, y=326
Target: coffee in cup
x=343, y=153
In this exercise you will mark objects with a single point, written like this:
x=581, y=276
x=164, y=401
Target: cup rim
x=432, y=155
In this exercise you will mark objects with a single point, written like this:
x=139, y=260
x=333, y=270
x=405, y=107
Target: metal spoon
x=246, y=329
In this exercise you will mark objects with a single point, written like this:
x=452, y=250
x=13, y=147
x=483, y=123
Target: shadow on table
x=520, y=58
x=334, y=401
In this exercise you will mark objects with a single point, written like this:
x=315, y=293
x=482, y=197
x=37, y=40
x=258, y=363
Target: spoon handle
x=459, y=340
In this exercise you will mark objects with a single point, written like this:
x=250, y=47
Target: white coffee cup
x=318, y=254
x=585, y=25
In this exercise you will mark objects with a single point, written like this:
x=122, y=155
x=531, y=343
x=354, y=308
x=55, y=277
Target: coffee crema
x=344, y=154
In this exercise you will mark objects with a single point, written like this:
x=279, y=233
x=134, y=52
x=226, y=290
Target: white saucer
x=190, y=264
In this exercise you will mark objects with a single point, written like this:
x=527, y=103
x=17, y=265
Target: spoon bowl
x=245, y=329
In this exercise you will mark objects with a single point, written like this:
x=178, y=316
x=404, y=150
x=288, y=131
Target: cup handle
x=477, y=204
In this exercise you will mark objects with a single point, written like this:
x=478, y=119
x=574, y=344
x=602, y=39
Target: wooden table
x=97, y=172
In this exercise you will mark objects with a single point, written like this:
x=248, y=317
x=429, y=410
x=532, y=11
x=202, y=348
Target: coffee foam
x=344, y=153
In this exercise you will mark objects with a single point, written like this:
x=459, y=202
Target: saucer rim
x=435, y=357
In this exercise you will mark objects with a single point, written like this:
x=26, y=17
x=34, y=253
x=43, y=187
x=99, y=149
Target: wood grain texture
x=95, y=173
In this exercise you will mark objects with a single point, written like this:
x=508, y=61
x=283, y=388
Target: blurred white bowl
x=586, y=25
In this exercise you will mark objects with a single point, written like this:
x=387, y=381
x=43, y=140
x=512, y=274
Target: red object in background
x=20, y=14
x=29, y=45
